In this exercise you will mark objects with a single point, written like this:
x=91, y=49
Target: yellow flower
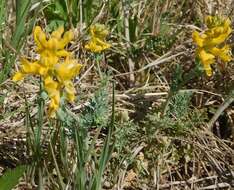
x=53, y=90
x=207, y=59
x=217, y=36
x=97, y=43
x=223, y=53
x=55, y=66
x=52, y=49
x=210, y=40
x=70, y=90
x=198, y=39
x=29, y=68
x=212, y=21
x=65, y=71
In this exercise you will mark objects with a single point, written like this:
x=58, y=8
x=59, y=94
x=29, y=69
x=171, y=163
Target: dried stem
x=127, y=36
x=219, y=112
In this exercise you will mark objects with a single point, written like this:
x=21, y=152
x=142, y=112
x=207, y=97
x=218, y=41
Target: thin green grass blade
x=18, y=37
x=88, y=10
x=106, y=151
x=22, y=9
x=80, y=171
x=2, y=18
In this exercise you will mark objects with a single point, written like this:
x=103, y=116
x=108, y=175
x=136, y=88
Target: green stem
x=166, y=104
x=40, y=185
x=99, y=70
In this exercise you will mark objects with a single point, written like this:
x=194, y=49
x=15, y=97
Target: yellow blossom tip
x=197, y=38
x=69, y=35
x=18, y=76
x=97, y=43
x=58, y=33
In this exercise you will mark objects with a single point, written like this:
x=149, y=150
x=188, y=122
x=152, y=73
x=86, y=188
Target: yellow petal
x=42, y=71
x=52, y=88
x=209, y=42
x=97, y=45
x=218, y=30
x=63, y=53
x=67, y=70
x=197, y=39
x=218, y=34
x=206, y=57
x=209, y=21
x=99, y=31
x=217, y=40
x=103, y=44
x=92, y=47
x=18, y=76
x=223, y=53
x=227, y=23
x=54, y=105
x=213, y=21
x=39, y=37
x=58, y=33
x=48, y=59
x=67, y=37
x=97, y=42
x=36, y=33
x=31, y=67
x=208, y=70
x=70, y=91
x=52, y=44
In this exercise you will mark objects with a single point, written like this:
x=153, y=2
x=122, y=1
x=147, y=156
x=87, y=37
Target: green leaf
x=2, y=14
x=88, y=6
x=20, y=32
x=177, y=79
x=56, y=14
x=11, y=177
x=22, y=9
x=132, y=28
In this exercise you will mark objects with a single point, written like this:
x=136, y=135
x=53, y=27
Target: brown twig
x=219, y=112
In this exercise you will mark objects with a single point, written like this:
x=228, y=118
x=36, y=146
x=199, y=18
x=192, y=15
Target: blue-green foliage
x=180, y=116
x=96, y=113
x=179, y=105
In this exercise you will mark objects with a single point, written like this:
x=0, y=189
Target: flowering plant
x=210, y=42
x=56, y=66
x=97, y=43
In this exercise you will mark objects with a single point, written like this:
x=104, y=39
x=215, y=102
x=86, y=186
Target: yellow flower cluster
x=210, y=42
x=97, y=43
x=55, y=66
